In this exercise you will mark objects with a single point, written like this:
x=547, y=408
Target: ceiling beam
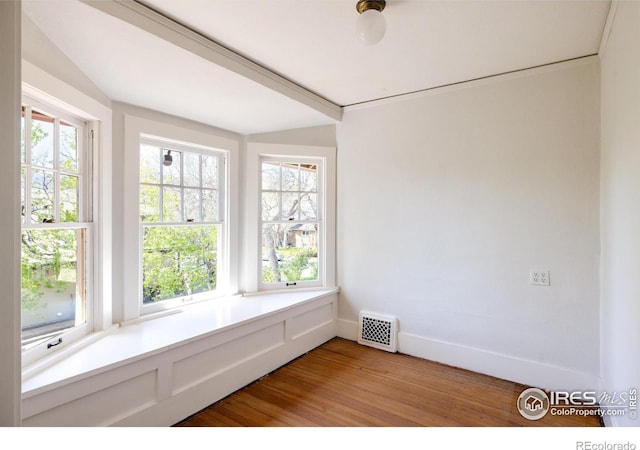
x=151, y=21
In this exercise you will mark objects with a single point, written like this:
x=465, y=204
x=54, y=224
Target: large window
x=291, y=222
x=181, y=210
x=290, y=217
x=56, y=225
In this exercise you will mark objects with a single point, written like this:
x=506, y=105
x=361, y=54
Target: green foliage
x=49, y=265
x=292, y=269
x=267, y=275
x=32, y=288
x=37, y=134
x=299, y=265
x=179, y=261
x=45, y=253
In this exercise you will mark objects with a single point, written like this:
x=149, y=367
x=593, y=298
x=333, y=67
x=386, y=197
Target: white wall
x=40, y=51
x=322, y=136
x=620, y=357
x=10, y=218
x=448, y=198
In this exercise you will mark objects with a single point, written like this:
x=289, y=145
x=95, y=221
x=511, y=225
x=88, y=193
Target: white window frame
x=325, y=157
x=223, y=279
x=50, y=95
x=138, y=129
x=84, y=212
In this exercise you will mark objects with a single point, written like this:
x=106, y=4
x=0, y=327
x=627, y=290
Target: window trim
x=59, y=98
x=326, y=157
x=187, y=139
x=320, y=163
x=221, y=285
x=84, y=213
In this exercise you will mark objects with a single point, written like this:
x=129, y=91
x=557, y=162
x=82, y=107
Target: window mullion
x=27, y=165
x=56, y=170
x=299, y=208
x=181, y=183
x=161, y=189
x=83, y=142
x=220, y=189
x=201, y=193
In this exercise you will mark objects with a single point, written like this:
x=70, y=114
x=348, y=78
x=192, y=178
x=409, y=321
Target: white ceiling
x=313, y=44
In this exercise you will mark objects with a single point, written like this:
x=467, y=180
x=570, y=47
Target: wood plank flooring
x=343, y=384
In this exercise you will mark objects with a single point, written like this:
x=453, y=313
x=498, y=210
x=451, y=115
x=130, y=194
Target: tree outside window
x=290, y=222
x=53, y=238
x=180, y=204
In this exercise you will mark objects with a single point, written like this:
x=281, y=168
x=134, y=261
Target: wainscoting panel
x=168, y=384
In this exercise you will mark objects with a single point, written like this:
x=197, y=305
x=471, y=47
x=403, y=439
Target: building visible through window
x=290, y=222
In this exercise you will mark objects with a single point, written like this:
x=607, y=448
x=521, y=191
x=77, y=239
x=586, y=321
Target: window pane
x=209, y=171
x=309, y=207
x=290, y=177
x=290, y=206
x=270, y=176
x=42, y=196
x=42, y=139
x=309, y=178
x=68, y=198
x=192, y=205
x=53, y=282
x=270, y=206
x=210, y=205
x=171, y=172
x=68, y=147
x=150, y=164
x=289, y=252
x=171, y=205
x=179, y=261
x=191, y=169
x=149, y=203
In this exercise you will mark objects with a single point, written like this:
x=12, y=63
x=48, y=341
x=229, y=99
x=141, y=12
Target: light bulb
x=371, y=26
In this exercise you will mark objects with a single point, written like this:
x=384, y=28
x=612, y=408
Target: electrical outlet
x=539, y=277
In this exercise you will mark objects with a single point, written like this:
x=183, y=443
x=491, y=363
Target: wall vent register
x=378, y=331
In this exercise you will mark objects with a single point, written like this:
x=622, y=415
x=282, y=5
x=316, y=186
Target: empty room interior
x=203, y=196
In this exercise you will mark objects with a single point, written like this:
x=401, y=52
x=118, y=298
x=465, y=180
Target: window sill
x=139, y=340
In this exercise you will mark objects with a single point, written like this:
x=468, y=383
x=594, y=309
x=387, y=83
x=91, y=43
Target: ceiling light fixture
x=371, y=24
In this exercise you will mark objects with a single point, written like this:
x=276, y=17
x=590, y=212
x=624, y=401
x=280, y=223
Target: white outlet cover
x=539, y=277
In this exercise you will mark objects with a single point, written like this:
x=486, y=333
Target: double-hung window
x=182, y=215
x=291, y=221
x=56, y=224
x=291, y=213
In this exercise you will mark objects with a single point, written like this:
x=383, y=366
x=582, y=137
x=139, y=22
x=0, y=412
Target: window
x=291, y=221
x=56, y=228
x=290, y=217
x=181, y=208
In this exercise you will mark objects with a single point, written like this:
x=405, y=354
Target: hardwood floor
x=343, y=384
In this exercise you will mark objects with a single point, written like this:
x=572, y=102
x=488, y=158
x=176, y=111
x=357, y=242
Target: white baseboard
x=518, y=370
x=348, y=329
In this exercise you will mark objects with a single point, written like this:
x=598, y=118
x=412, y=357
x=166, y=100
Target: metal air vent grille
x=377, y=330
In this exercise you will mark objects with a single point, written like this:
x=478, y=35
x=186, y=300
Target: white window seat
x=177, y=354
